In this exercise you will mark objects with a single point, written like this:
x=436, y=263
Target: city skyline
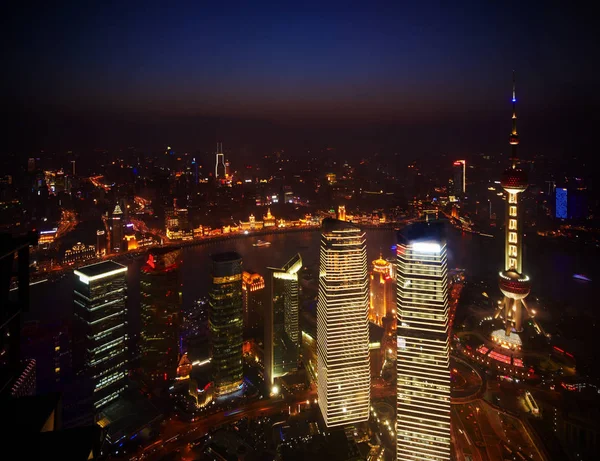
x=297, y=231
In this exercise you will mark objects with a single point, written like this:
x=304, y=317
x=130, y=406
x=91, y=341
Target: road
x=186, y=432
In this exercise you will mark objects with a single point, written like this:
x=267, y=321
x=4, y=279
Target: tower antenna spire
x=514, y=137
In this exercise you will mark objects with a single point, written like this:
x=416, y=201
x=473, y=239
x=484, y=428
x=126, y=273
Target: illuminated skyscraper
x=282, y=338
x=100, y=242
x=252, y=300
x=423, y=386
x=225, y=321
x=220, y=167
x=116, y=235
x=342, y=325
x=459, y=172
x=100, y=349
x=160, y=289
x=515, y=285
x=382, y=300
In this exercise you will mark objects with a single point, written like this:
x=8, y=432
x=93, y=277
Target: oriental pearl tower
x=514, y=284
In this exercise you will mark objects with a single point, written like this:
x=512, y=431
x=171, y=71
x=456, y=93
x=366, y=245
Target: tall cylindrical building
x=423, y=385
x=342, y=325
x=225, y=321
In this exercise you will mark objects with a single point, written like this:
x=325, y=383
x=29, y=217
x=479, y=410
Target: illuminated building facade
x=100, y=243
x=47, y=237
x=225, y=321
x=515, y=286
x=343, y=372
x=160, y=290
x=100, y=349
x=382, y=299
x=252, y=299
x=341, y=214
x=423, y=383
x=79, y=252
x=116, y=236
x=282, y=336
x=459, y=177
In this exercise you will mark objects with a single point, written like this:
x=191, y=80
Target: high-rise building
x=423, y=383
x=100, y=243
x=383, y=298
x=252, y=299
x=160, y=289
x=514, y=284
x=341, y=214
x=342, y=325
x=225, y=320
x=282, y=336
x=459, y=173
x=116, y=236
x=100, y=349
x=220, y=167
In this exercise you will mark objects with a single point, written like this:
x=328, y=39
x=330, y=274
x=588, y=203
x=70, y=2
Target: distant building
x=342, y=325
x=459, y=172
x=116, y=237
x=47, y=237
x=220, y=167
x=341, y=214
x=383, y=298
x=225, y=319
x=423, y=383
x=160, y=289
x=282, y=336
x=571, y=203
x=100, y=349
x=100, y=243
x=79, y=252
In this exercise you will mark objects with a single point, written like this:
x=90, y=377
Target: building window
x=512, y=237
x=512, y=211
x=512, y=224
x=512, y=250
x=512, y=198
x=512, y=262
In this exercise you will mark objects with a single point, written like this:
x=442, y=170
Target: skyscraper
x=282, y=338
x=459, y=172
x=116, y=236
x=515, y=286
x=342, y=325
x=423, y=386
x=100, y=349
x=382, y=299
x=252, y=300
x=220, y=167
x=160, y=289
x=225, y=320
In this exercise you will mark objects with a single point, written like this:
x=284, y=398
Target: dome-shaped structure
x=514, y=179
x=513, y=285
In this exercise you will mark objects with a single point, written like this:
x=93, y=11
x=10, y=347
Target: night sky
x=368, y=75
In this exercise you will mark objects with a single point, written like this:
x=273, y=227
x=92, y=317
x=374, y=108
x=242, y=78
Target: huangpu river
x=550, y=265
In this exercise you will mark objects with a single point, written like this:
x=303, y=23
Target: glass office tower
x=423, y=386
x=100, y=351
x=344, y=377
x=225, y=321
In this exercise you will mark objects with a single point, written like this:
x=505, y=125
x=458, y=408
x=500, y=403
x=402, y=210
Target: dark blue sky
x=365, y=62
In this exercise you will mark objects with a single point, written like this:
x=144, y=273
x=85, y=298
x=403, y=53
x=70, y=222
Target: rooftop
x=331, y=224
x=423, y=231
x=101, y=268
